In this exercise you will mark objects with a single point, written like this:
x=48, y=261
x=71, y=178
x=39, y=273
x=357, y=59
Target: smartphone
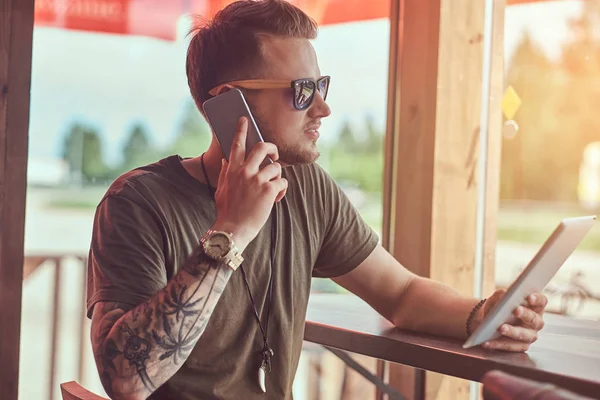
x=223, y=113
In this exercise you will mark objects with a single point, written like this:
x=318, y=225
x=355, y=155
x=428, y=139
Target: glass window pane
x=551, y=146
x=102, y=104
x=352, y=145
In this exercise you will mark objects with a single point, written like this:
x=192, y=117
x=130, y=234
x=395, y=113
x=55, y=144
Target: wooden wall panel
x=16, y=32
x=432, y=149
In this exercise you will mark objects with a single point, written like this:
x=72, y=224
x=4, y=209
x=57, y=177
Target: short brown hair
x=229, y=47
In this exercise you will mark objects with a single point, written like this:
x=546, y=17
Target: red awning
x=155, y=18
x=159, y=18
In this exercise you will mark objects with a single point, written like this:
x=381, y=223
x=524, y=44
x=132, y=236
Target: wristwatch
x=219, y=246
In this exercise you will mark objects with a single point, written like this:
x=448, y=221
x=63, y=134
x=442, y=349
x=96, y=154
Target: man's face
x=294, y=132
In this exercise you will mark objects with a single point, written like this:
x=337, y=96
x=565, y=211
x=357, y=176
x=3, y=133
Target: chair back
x=74, y=391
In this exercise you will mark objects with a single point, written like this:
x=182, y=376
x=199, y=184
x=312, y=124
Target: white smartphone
x=555, y=251
x=223, y=113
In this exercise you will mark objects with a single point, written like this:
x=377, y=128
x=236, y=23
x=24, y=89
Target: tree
x=558, y=116
x=82, y=150
x=581, y=55
x=359, y=163
x=578, y=104
x=375, y=138
x=530, y=74
x=193, y=135
x=137, y=149
x=347, y=139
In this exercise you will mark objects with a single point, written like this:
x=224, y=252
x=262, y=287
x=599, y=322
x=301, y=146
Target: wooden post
x=16, y=33
x=430, y=181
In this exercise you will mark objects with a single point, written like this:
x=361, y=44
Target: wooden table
x=566, y=354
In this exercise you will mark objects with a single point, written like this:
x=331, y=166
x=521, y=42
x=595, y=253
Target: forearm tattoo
x=138, y=350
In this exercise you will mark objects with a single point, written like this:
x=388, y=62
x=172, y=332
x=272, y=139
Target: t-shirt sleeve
x=126, y=263
x=347, y=238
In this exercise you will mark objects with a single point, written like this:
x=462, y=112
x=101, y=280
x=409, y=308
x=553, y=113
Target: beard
x=295, y=153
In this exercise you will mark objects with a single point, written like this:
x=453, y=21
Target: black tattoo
x=112, y=312
x=136, y=350
x=180, y=346
x=175, y=304
x=142, y=311
x=166, y=327
x=199, y=263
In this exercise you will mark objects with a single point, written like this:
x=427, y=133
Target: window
x=551, y=151
x=105, y=104
x=356, y=56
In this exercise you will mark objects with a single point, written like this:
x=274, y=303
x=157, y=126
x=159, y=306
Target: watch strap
x=233, y=259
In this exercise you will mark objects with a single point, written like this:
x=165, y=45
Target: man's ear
x=224, y=89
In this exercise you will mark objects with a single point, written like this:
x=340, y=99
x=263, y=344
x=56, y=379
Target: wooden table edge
x=463, y=366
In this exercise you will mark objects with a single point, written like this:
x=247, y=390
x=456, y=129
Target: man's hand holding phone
x=246, y=192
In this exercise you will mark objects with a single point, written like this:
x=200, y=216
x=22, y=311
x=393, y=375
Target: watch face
x=217, y=245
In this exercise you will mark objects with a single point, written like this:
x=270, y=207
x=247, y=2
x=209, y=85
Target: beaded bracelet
x=472, y=315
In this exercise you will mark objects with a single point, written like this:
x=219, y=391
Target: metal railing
x=58, y=262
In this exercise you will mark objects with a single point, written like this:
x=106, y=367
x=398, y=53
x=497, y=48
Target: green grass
x=71, y=204
x=533, y=224
x=372, y=213
x=524, y=223
x=76, y=199
x=591, y=242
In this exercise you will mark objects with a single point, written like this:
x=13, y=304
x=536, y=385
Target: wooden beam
x=432, y=149
x=16, y=33
x=414, y=32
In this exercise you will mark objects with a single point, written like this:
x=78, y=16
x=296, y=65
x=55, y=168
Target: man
x=200, y=269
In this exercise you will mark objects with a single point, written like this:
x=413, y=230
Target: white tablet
x=540, y=270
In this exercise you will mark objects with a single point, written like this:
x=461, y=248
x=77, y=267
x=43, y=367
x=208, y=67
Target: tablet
x=534, y=278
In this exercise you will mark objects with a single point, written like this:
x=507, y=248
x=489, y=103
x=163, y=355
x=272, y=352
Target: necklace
x=266, y=353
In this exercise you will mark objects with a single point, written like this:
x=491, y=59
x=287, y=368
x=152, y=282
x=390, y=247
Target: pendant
x=265, y=366
x=262, y=377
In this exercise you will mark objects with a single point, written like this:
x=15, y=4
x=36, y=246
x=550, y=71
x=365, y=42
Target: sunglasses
x=304, y=89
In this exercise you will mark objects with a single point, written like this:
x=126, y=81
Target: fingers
x=280, y=196
x=279, y=187
x=518, y=337
x=498, y=294
x=258, y=154
x=537, y=302
x=529, y=318
x=519, y=333
x=224, y=167
x=505, y=344
x=270, y=172
x=256, y=157
x=238, y=147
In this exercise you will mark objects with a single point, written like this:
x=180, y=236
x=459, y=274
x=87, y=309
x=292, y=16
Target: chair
x=498, y=385
x=74, y=391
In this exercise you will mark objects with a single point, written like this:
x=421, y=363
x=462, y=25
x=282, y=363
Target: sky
x=114, y=81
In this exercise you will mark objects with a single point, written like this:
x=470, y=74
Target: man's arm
x=407, y=300
x=137, y=349
x=424, y=305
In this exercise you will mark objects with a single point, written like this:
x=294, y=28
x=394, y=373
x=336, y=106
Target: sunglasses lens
x=304, y=92
x=324, y=87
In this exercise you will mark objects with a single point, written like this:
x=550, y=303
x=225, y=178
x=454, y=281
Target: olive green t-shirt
x=150, y=221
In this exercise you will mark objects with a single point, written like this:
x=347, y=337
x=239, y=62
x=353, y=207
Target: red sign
x=159, y=18
x=97, y=15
